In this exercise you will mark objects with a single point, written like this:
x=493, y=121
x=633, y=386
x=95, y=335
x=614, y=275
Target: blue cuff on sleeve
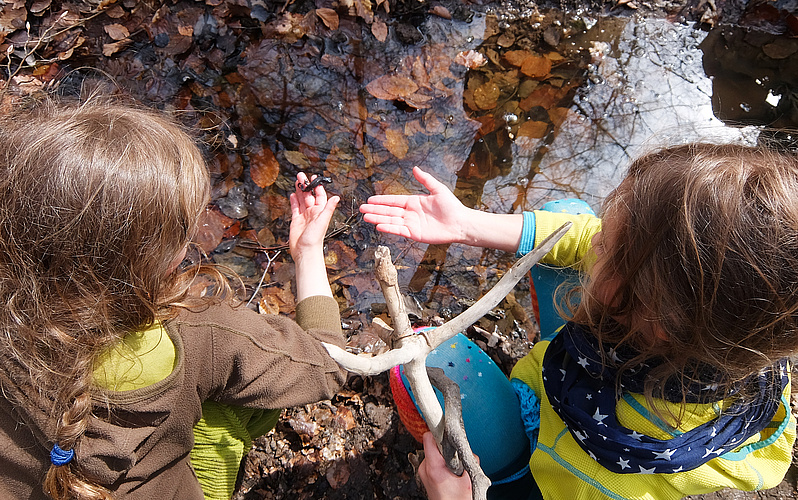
x=527, y=243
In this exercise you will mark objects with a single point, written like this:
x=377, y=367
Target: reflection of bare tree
x=646, y=89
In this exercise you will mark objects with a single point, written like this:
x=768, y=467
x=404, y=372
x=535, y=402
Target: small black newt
x=318, y=181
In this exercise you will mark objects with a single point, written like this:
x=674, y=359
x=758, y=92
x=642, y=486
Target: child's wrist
x=469, y=229
x=304, y=252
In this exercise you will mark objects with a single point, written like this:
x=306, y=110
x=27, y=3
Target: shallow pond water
x=508, y=115
x=636, y=84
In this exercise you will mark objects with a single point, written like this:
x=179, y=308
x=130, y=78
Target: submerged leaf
x=263, y=167
x=396, y=142
x=297, y=158
x=533, y=129
x=536, y=66
x=391, y=87
x=212, y=225
x=486, y=96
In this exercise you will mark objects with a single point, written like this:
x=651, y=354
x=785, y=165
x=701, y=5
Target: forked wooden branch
x=415, y=345
x=411, y=349
x=454, y=435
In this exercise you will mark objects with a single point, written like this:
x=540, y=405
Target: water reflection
x=645, y=87
x=507, y=136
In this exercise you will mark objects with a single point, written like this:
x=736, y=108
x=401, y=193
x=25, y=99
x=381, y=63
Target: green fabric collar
x=122, y=367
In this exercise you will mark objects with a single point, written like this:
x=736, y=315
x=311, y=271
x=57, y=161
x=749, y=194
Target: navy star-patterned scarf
x=583, y=394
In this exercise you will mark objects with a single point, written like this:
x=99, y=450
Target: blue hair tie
x=60, y=457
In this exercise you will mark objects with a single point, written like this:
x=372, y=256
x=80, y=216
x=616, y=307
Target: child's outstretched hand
x=438, y=217
x=439, y=481
x=310, y=216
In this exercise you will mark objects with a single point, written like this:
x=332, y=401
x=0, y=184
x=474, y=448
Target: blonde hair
x=96, y=200
x=705, y=249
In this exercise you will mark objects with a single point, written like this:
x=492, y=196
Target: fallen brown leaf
x=396, y=142
x=441, y=11
x=391, y=87
x=297, y=158
x=110, y=49
x=486, y=96
x=329, y=17
x=116, y=31
x=536, y=66
x=533, y=129
x=211, y=228
x=379, y=29
x=471, y=59
x=263, y=167
x=516, y=57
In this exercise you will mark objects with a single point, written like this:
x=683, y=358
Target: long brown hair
x=705, y=252
x=96, y=200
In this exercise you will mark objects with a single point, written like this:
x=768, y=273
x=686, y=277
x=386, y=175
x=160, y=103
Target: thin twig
x=348, y=224
x=271, y=260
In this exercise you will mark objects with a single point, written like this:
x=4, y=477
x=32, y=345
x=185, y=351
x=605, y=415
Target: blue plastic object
x=546, y=279
x=491, y=413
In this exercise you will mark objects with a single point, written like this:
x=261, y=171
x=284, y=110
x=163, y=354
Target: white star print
x=623, y=463
x=581, y=436
x=636, y=435
x=679, y=469
x=646, y=471
x=588, y=396
x=563, y=375
x=614, y=356
x=665, y=455
x=708, y=452
x=583, y=362
x=598, y=417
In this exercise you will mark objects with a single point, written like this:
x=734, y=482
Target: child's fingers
x=432, y=184
x=293, y=199
x=394, y=229
x=431, y=451
x=319, y=194
x=384, y=201
x=306, y=197
x=381, y=220
x=381, y=210
x=329, y=207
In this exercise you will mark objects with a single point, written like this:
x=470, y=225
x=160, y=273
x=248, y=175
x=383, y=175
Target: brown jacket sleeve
x=264, y=361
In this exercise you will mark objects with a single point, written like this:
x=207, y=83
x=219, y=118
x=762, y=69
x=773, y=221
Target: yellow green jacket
x=562, y=469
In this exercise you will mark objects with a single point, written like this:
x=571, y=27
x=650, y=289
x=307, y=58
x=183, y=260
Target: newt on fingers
x=317, y=181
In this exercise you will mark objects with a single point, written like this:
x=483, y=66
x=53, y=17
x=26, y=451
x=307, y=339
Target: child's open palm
x=433, y=218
